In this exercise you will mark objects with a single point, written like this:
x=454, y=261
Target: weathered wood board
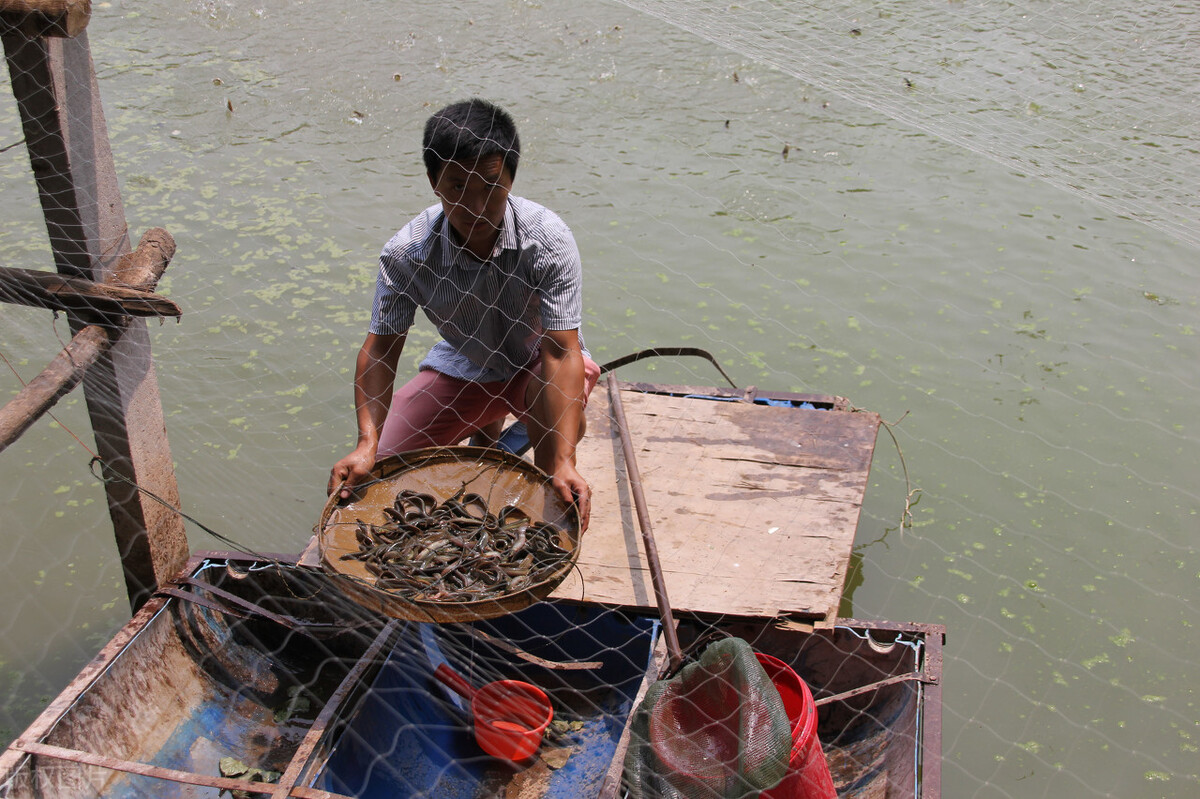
x=753, y=507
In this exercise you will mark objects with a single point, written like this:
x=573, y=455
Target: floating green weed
x=1124, y=639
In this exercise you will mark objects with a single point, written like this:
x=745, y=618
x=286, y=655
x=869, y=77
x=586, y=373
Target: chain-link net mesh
x=980, y=215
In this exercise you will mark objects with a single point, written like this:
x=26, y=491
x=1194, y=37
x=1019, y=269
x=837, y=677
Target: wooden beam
x=138, y=269
x=33, y=87
x=35, y=18
x=54, y=84
x=38, y=289
x=55, y=381
x=127, y=290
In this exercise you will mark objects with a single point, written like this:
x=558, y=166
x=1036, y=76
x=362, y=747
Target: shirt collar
x=507, y=240
x=508, y=232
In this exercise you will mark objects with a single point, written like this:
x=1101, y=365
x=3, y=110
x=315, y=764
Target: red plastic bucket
x=808, y=775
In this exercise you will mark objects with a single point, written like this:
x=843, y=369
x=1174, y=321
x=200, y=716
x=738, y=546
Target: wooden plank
x=754, y=507
x=225, y=784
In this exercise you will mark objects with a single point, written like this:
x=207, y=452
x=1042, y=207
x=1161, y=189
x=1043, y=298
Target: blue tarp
x=409, y=737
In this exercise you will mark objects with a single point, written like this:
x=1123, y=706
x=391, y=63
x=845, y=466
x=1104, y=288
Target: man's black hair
x=467, y=131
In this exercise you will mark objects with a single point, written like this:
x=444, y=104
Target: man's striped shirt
x=490, y=314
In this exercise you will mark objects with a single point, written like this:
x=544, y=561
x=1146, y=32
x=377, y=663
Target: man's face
x=474, y=196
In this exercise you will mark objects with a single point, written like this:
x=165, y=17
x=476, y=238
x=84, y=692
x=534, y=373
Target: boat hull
x=264, y=662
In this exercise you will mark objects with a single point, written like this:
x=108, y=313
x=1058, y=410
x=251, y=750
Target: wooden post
x=56, y=91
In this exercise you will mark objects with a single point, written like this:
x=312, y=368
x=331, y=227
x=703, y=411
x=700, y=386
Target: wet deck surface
x=753, y=507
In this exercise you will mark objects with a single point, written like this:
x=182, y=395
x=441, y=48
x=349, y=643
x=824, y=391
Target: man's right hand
x=374, y=374
x=350, y=471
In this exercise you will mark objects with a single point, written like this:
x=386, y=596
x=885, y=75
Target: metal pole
x=674, y=653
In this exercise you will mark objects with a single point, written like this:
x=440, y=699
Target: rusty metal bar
x=674, y=652
x=930, y=752
x=656, y=352
x=172, y=775
x=196, y=599
x=866, y=689
x=244, y=608
x=146, y=770
x=300, y=792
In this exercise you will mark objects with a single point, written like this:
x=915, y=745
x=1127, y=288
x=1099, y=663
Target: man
x=500, y=278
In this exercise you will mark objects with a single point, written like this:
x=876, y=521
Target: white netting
x=976, y=216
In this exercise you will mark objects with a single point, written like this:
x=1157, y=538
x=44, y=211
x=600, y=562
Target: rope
x=115, y=476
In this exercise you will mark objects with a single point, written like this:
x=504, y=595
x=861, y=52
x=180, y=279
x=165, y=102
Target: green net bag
x=716, y=730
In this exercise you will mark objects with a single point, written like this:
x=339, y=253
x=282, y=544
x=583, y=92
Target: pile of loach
x=457, y=550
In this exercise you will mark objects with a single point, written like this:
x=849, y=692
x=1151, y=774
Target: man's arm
x=558, y=420
x=374, y=378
